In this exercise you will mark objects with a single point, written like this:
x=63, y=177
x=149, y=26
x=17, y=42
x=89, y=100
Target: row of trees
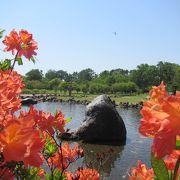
x=140, y=79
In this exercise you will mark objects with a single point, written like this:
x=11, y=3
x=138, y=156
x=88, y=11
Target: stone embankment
x=57, y=98
x=52, y=98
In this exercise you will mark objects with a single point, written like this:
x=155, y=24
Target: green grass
x=117, y=99
x=131, y=99
x=79, y=97
x=89, y=97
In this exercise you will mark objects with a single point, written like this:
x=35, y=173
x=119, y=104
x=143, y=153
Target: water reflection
x=119, y=163
x=111, y=154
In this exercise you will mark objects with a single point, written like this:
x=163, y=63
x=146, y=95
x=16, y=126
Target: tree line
x=138, y=80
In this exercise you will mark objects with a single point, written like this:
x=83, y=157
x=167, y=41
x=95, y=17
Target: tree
x=69, y=78
x=54, y=83
x=120, y=71
x=76, y=87
x=177, y=76
x=86, y=75
x=85, y=88
x=66, y=86
x=35, y=84
x=74, y=76
x=128, y=87
x=104, y=73
x=62, y=75
x=34, y=74
x=176, y=80
x=51, y=74
x=145, y=76
x=95, y=88
x=114, y=76
x=166, y=71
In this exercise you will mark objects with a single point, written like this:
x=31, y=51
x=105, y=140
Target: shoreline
x=75, y=100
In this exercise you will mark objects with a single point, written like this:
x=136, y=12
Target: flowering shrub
x=83, y=174
x=161, y=121
x=28, y=141
x=142, y=172
x=21, y=44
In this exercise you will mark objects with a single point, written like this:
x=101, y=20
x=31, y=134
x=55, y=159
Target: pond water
x=117, y=164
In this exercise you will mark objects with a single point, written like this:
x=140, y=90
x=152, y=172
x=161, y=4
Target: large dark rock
x=102, y=124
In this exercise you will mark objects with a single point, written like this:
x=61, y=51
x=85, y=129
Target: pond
x=117, y=164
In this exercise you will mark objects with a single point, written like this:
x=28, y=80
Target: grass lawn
x=131, y=99
x=89, y=97
x=117, y=99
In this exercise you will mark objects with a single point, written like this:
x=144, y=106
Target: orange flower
x=69, y=175
x=40, y=172
x=12, y=42
x=71, y=153
x=10, y=89
x=14, y=141
x=83, y=174
x=160, y=120
x=141, y=172
x=157, y=94
x=87, y=174
x=34, y=156
x=23, y=43
x=171, y=159
x=45, y=121
x=19, y=141
x=28, y=45
x=171, y=162
x=5, y=173
x=67, y=156
x=56, y=161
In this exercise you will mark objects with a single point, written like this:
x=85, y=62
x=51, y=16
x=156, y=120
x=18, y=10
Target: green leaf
x=159, y=168
x=6, y=64
x=176, y=169
x=33, y=59
x=52, y=148
x=49, y=149
x=1, y=32
x=19, y=60
x=48, y=176
x=58, y=175
x=178, y=144
x=68, y=119
x=31, y=173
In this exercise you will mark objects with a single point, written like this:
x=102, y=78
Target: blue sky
x=76, y=34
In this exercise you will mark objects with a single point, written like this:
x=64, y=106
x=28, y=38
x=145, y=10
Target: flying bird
x=115, y=33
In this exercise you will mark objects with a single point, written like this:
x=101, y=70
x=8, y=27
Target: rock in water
x=28, y=101
x=102, y=124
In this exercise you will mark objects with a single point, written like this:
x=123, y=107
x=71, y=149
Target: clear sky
x=76, y=34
